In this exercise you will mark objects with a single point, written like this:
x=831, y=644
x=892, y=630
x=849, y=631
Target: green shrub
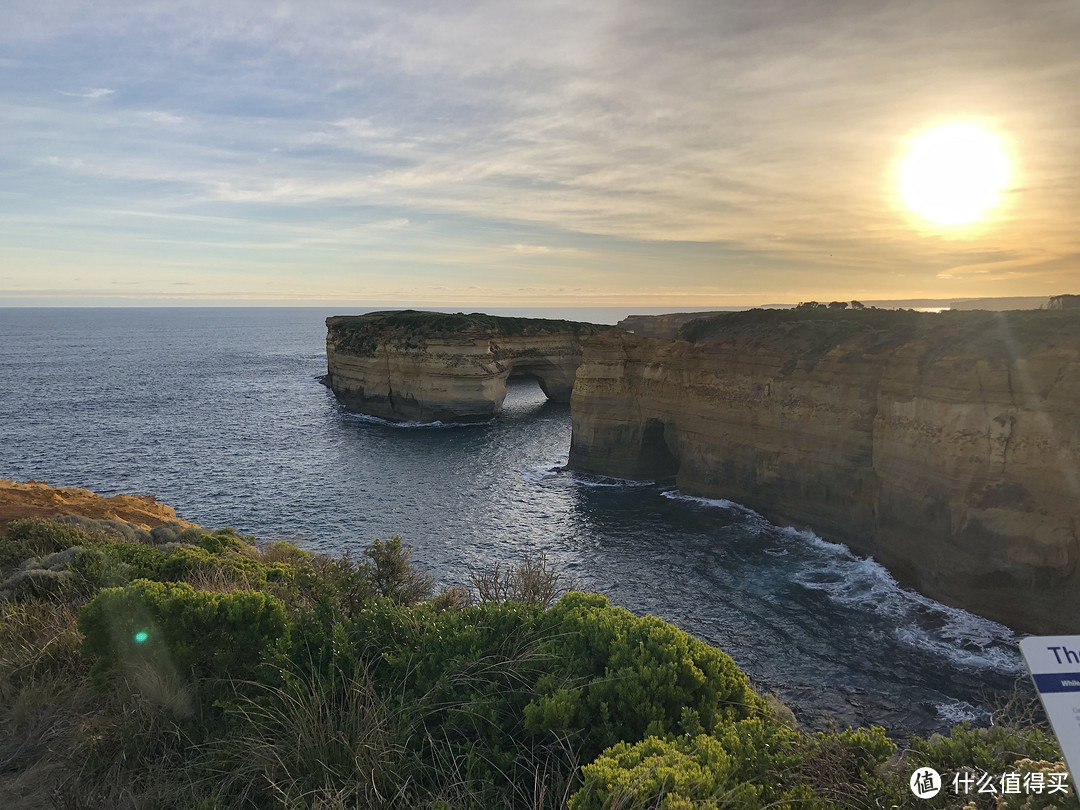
x=193, y=562
x=619, y=677
x=32, y=537
x=393, y=574
x=844, y=768
x=172, y=625
x=340, y=585
x=741, y=765
x=993, y=750
x=221, y=540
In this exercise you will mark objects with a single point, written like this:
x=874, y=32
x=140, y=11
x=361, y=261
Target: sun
x=953, y=174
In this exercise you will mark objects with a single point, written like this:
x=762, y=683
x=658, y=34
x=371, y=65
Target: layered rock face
x=429, y=366
x=945, y=445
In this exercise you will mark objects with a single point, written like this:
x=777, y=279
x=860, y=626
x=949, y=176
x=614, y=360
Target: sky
x=610, y=153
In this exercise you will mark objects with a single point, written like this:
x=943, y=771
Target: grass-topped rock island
x=409, y=366
x=179, y=667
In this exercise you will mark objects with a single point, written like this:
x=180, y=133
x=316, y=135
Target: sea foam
x=861, y=583
x=377, y=420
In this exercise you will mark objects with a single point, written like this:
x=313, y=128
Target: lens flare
x=141, y=637
x=954, y=174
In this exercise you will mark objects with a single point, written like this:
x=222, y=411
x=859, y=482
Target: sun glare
x=953, y=174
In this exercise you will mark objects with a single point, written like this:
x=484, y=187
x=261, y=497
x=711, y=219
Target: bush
x=36, y=583
x=173, y=626
x=843, y=767
x=742, y=765
x=115, y=529
x=632, y=677
x=993, y=750
x=393, y=575
x=32, y=537
x=166, y=533
x=535, y=582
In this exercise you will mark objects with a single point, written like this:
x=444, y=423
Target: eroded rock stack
x=431, y=366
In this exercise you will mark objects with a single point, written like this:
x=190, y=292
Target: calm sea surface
x=218, y=413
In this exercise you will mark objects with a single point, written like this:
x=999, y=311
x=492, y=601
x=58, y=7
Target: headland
x=946, y=445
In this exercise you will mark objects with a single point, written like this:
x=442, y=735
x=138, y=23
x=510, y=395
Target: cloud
x=706, y=137
x=163, y=118
x=94, y=92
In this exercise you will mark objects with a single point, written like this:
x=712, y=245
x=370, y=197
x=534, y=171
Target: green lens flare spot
x=141, y=636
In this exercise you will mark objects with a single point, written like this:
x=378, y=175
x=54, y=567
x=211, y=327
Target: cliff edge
x=946, y=445
x=433, y=366
x=36, y=499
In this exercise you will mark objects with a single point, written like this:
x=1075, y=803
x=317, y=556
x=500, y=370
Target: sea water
x=219, y=413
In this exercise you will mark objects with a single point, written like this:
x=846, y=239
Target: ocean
x=219, y=413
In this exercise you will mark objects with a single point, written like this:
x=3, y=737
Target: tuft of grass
x=325, y=739
x=39, y=639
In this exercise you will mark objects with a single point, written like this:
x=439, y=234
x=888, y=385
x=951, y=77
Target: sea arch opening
x=555, y=380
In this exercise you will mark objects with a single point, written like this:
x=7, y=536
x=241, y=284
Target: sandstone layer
x=434, y=367
x=945, y=445
x=36, y=499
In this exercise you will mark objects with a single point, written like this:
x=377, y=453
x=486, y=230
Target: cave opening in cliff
x=656, y=457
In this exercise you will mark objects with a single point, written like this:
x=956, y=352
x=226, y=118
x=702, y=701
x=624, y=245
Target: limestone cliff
x=430, y=366
x=946, y=445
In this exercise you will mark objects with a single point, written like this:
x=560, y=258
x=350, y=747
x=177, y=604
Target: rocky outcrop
x=945, y=445
x=36, y=499
x=430, y=366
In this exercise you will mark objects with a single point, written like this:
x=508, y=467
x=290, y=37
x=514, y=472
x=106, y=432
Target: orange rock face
x=36, y=499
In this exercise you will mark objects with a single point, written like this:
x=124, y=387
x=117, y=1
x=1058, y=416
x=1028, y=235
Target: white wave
x=862, y=583
x=967, y=640
x=559, y=471
x=544, y=473
x=376, y=420
x=757, y=521
x=587, y=480
x=719, y=503
x=958, y=711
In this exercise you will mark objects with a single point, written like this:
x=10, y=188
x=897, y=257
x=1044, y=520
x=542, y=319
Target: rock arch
x=428, y=366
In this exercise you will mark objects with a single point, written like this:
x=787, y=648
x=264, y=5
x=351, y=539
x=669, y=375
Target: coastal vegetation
x=817, y=327
x=361, y=334
x=186, y=668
